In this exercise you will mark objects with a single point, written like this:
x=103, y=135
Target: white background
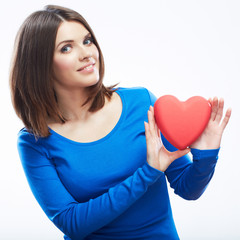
x=183, y=48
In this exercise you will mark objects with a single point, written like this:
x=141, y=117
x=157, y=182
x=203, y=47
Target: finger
x=210, y=101
x=155, y=124
x=226, y=118
x=152, y=123
x=158, y=133
x=147, y=131
x=151, y=141
x=214, y=108
x=220, y=110
x=179, y=153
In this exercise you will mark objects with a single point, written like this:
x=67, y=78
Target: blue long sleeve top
x=105, y=189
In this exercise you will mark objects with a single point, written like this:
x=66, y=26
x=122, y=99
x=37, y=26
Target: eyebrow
x=69, y=41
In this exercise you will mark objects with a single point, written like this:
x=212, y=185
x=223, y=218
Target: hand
x=212, y=135
x=157, y=155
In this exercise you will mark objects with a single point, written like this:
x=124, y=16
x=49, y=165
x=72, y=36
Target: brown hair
x=31, y=83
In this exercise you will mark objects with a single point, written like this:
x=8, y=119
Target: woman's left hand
x=212, y=135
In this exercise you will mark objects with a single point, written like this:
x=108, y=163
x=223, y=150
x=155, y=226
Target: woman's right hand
x=157, y=155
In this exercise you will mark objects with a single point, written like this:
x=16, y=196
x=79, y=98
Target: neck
x=70, y=103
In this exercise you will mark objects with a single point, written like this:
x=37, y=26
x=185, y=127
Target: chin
x=92, y=83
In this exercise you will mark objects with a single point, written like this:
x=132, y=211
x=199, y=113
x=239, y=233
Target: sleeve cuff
x=203, y=154
x=151, y=173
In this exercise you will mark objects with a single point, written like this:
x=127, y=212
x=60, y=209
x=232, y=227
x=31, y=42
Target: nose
x=85, y=53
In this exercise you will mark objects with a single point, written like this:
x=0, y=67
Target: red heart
x=181, y=123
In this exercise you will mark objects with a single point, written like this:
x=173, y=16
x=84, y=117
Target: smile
x=89, y=66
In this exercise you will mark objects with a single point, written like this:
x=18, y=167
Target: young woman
x=93, y=155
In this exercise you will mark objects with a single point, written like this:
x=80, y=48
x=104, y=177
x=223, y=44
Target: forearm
x=80, y=220
x=194, y=179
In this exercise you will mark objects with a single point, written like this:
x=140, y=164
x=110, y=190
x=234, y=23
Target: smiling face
x=76, y=57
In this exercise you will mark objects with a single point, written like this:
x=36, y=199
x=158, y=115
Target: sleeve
x=74, y=219
x=189, y=178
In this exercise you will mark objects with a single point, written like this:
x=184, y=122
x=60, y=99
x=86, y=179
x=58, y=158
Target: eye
x=88, y=41
x=66, y=48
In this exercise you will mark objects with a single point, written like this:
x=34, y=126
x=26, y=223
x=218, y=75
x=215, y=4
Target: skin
x=70, y=86
x=74, y=49
x=160, y=158
x=84, y=126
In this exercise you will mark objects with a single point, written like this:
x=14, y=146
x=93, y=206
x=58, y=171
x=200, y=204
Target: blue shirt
x=105, y=189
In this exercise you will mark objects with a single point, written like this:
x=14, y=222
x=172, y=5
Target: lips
x=89, y=65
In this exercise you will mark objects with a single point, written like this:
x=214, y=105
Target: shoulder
x=24, y=135
x=132, y=90
x=27, y=139
x=28, y=144
x=139, y=94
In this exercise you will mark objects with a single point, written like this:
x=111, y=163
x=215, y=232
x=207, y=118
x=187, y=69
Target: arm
x=77, y=220
x=189, y=178
x=195, y=177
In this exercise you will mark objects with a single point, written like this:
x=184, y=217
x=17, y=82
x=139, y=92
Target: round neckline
x=115, y=128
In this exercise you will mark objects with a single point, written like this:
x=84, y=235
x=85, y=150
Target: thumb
x=179, y=153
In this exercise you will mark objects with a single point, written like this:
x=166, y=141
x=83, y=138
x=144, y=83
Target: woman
x=94, y=168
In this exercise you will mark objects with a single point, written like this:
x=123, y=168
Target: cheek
x=95, y=53
x=63, y=64
x=96, y=57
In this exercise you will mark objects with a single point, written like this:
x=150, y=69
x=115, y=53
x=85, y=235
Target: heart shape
x=181, y=123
